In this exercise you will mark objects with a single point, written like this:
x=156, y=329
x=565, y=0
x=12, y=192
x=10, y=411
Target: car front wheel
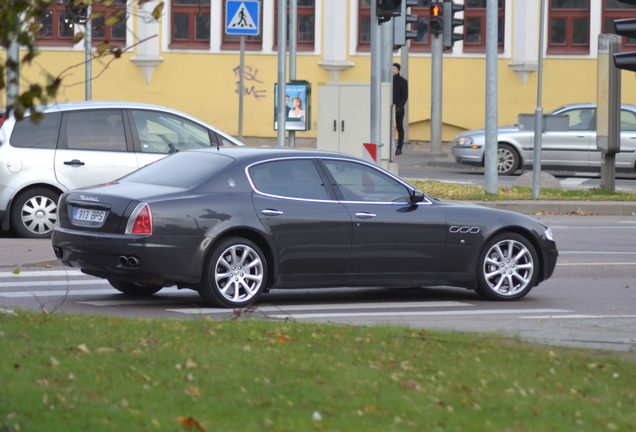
x=508, y=268
x=133, y=288
x=235, y=275
x=34, y=212
x=507, y=159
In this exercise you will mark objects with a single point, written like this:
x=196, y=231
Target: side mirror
x=417, y=196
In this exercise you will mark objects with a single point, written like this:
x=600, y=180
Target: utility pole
x=293, y=18
x=282, y=71
x=490, y=157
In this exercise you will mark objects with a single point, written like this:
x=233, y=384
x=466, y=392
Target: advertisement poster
x=297, y=106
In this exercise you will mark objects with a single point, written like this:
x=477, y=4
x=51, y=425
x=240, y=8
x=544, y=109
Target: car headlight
x=548, y=234
x=464, y=141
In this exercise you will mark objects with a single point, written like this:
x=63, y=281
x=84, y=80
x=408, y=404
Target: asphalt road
x=589, y=302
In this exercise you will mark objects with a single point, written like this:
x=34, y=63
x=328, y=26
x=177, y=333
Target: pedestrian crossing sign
x=241, y=17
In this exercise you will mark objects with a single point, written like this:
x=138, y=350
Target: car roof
x=88, y=105
x=257, y=154
x=590, y=105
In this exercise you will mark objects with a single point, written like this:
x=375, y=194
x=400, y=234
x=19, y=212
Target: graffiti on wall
x=253, y=86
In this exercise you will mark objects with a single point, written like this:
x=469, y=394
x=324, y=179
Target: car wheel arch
x=7, y=223
x=258, y=238
x=525, y=234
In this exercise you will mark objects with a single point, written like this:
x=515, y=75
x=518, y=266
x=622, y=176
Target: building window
x=115, y=31
x=613, y=9
x=475, y=26
x=55, y=30
x=232, y=41
x=569, y=27
x=190, y=24
x=305, y=25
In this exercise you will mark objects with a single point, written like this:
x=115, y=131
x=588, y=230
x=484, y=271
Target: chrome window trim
x=426, y=201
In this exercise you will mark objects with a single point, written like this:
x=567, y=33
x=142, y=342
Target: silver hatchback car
x=574, y=148
x=79, y=144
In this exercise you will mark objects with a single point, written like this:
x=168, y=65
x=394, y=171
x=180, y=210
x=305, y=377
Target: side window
x=43, y=135
x=582, y=119
x=95, y=130
x=294, y=178
x=165, y=133
x=628, y=121
x=359, y=182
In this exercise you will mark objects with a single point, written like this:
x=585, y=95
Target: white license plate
x=89, y=215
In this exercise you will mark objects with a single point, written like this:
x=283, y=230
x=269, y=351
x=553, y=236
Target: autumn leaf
x=191, y=423
x=283, y=338
x=410, y=385
x=194, y=391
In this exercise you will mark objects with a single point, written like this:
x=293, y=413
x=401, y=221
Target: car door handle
x=270, y=212
x=365, y=215
x=74, y=162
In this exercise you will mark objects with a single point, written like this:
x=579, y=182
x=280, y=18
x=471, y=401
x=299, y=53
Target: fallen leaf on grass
x=284, y=338
x=194, y=391
x=410, y=385
x=191, y=423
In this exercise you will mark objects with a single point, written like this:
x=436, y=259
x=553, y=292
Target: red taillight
x=2, y=119
x=140, y=220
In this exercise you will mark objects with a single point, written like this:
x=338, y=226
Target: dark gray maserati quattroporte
x=233, y=223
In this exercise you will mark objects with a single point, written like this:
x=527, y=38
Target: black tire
x=133, y=288
x=235, y=274
x=508, y=159
x=34, y=213
x=508, y=268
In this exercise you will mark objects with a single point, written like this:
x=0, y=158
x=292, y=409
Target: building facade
x=186, y=60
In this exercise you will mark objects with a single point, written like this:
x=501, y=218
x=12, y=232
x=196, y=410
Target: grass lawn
x=82, y=373
x=457, y=191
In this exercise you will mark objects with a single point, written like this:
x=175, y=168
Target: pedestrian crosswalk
x=86, y=291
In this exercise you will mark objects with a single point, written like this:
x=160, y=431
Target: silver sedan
x=571, y=148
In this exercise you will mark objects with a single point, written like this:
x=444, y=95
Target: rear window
x=183, y=169
x=43, y=134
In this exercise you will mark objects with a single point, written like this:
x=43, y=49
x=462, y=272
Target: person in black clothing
x=400, y=95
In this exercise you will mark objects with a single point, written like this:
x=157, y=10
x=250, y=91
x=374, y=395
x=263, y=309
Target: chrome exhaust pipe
x=129, y=261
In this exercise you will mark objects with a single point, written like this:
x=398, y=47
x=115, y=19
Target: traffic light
x=450, y=22
x=401, y=31
x=387, y=9
x=627, y=28
x=74, y=12
x=436, y=18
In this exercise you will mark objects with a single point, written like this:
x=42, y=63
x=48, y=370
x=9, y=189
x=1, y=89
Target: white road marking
x=577, y=316
x=419, y=313
x=70, y=292
x=52, y=283
x=47, y=273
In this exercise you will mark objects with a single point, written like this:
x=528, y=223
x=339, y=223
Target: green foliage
x=457, y=191
x=78, y=373
x=20, y=21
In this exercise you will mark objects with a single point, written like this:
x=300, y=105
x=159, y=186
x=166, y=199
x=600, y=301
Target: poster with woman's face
x=296, y=108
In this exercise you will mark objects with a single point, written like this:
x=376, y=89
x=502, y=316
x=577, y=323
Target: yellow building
x=187, y=62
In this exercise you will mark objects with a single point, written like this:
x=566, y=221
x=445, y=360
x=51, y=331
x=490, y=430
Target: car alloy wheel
x=236, y=274
x=34, y=213
x=508, y=268
x=508, y=159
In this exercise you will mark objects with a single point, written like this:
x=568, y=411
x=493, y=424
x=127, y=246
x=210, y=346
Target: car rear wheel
x=508, y=268
x=508, y=159
x=34, y=212
x=235, y=275
x=133, y=288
